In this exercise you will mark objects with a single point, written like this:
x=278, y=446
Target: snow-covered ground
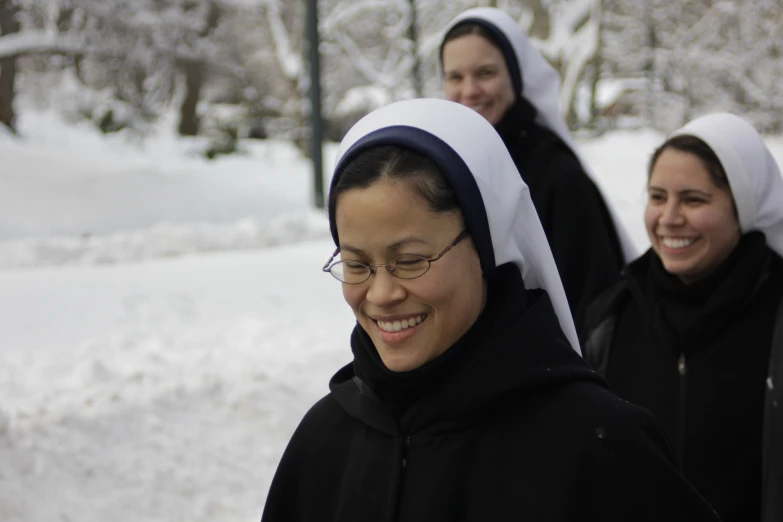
x=164, y=322
x=160, y=390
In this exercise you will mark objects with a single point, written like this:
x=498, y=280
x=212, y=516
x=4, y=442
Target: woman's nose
x=470, y=88
x=384, y=288
x=671, y=214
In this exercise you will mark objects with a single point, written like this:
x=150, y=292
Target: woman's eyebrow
x=352, y=249
x=392, y=247
x=405, y=242
x=690, y=192
x=683, y=192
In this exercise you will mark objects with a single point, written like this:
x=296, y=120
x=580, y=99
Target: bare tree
x=8, y=25
x=701, y=56
x=142, y=58
x=413, y=38
x=567, y=33
x=194, y=70
x=370, y=40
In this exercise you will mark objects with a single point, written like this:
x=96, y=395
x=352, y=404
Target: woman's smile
x=397, y=331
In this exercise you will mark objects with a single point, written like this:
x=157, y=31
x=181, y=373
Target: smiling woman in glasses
x=414, y=310
x=467, y=398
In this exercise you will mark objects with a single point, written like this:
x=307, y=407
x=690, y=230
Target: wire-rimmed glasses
x=404, y=266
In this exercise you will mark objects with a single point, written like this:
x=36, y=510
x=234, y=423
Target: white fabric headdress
x=485, y=180
x=541, y=87
x=754, y=175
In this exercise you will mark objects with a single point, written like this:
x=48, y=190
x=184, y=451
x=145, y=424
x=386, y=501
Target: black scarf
x=685, y=315
x=505, y=300
x=532, y=146
x=517, y=122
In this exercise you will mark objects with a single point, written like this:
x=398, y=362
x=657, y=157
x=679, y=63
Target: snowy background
x=164, y=322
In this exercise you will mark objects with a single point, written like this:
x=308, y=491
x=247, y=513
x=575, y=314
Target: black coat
x=703, y=358
x=514, y=426
x=575, y=218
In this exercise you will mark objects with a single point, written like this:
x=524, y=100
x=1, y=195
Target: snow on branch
x=572, y=43
x=360, y=62
x=47, y=42
x=36, y=42
x=289, y=60
x=352, y=13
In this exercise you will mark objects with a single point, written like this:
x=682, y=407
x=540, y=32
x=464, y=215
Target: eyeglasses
x=405, y=266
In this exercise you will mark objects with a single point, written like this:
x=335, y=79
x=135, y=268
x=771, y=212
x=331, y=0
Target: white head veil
x=495, y=201
x=541, y=87
x=754, y=176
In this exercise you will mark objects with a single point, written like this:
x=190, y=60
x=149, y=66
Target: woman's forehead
x=471, y=51
x=681, y=169
x=389, y=213
x=387, y=196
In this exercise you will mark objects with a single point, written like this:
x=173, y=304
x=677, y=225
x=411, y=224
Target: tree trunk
x=195, y=75
x=650, y=72
x=413, y=36
x=542, y=23
x=598, y=63
x=8, y=25
x=188, y=115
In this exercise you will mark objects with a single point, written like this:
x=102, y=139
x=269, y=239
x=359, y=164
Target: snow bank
x=65, y=180
x=162, y=390
x=162, y=240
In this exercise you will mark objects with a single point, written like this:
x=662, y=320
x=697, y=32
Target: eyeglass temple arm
x=326, y=266
x=465, y=233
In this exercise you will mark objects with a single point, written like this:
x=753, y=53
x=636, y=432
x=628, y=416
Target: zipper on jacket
x=395, y=495
x=682, y=370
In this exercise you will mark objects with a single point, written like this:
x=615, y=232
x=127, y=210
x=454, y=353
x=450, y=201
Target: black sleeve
x=304, y=483
x=580, y=231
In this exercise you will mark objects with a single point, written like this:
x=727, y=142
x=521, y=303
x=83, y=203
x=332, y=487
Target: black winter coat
x=575, y=218
x=705, y=360
x=514, y=427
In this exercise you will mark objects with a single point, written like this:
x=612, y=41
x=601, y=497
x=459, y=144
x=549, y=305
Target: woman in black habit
x=467, y=398
x=694, y=331
x=489, y=64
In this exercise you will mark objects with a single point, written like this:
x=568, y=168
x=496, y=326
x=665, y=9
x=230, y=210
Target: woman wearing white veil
x=490, y=65
x=467, y=398
x=694, y=332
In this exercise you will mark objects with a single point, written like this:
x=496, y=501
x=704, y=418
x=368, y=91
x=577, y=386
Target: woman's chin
x=400, y=364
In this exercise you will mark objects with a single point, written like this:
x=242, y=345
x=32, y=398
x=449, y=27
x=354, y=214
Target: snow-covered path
x=164, y=390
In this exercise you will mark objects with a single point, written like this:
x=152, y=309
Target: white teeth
x=672, y=242
x=398, y=326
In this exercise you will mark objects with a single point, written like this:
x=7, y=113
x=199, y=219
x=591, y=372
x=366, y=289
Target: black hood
x=682, y=314
x=516, y=346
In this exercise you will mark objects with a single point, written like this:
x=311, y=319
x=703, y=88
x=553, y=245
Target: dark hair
x=468, y=28
x=393, y=162
x=494, y=37
x=697, y=147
